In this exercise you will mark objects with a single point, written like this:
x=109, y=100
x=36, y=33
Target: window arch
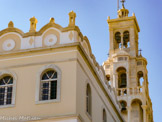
x=48, y=84
x=88, y=100
x=118, y=39
x=108, y=79
x=140, y=78
x=6, y=90
x=137, y=103
x=104, y=116
x=126, y=39
x=122, y=77
x=123, y=106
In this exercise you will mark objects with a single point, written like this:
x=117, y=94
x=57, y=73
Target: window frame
x=89, y=104
x=104, y=115
x=49, y=82
x=38, y=84
x=13, y=75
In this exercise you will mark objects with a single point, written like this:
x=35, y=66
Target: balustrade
x=129, y=91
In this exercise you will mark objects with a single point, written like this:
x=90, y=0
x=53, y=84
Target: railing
x=129, y=91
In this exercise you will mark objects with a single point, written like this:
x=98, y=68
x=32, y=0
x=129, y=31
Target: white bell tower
x=126, y=69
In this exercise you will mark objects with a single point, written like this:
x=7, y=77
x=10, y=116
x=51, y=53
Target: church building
x=51, y=75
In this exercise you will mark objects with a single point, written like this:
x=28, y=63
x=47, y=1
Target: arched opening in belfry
x=123, y=108
x=108, y=79
x=126, y=43
x=140, y=78
x=118, y=43
x=136, y=111
x=122, y=77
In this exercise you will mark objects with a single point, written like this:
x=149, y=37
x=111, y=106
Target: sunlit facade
x=51, y=75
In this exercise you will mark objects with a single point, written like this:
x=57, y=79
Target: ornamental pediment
x=52, y=34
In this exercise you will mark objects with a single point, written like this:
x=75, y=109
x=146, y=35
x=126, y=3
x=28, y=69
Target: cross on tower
x=123, y=1
x=140, y=51
x=108, y=54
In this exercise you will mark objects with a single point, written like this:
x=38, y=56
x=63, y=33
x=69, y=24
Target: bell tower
x=126, y=68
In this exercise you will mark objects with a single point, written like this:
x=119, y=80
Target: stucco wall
x=99, y=100
x=26, y=67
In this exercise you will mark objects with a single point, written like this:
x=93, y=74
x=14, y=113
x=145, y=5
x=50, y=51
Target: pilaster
x=144, y=107
x=129, y=108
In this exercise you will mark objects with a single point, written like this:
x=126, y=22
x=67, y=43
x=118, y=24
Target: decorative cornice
x=7, y=30
x=125, y=19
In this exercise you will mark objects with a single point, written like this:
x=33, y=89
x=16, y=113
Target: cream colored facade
x=126, y=69
x=26, y=57
x=114, y=93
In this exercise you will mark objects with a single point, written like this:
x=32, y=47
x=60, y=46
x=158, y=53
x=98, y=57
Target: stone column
x=129, y=108
x=111, y=42
x=122, y=42
x=114, y=79
x=115, y=83
x=148, y=117
x=128, y=84
x=144, y=107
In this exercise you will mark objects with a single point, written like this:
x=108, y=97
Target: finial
x=123, y=1
x=133, y=14
x=72, y=16
x=123, y=12
x=33, y=23
x=52, y=20
x=140, y=52
x=10, y=24
x=108, y=18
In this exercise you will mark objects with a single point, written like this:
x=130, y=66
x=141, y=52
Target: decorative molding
x=8, y=44
x=50, y=40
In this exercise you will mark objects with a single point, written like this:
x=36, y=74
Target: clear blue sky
x=91, y=18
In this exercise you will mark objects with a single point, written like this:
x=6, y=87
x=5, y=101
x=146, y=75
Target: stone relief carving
x=50, y=40
x=8, y=44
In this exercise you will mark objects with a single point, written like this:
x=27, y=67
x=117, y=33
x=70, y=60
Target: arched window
x=118, y=39
x=122, y=77
x=108, y=79
x=137, y=103
x=48, y=85
x=88, y=100
x=126, y=39
x=123, y=106
x=104, y=116
x=6, y=90
x=140, y=78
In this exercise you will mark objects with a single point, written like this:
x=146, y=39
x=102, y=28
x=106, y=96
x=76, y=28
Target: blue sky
x=92, y=21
